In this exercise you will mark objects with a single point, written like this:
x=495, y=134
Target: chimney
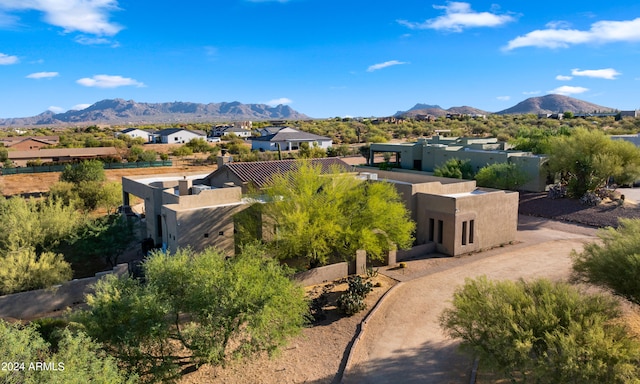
x=183, y=186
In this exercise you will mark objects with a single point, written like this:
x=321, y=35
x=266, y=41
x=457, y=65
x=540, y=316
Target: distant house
x=26, y=143
x=177, y=136
x=288, y=139
x=266, y=131
x=20, y=158
x=227, y=130
x=135, y=133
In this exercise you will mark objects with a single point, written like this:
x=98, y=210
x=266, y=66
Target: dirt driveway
x=402, y=342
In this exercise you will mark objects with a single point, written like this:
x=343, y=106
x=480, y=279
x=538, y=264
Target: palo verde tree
x=543, y=332
x=195, y=308
x=320, y=217
x=75, y=358
x=614, y=262
x=587, y=159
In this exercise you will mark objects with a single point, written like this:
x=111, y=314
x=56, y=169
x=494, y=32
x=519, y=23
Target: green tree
x=195, y=309
x=319, y=217
x=77, y=359
x=545, y=331
x=587, y=159
x=105, y=237
x=199, y=145
x=24, y=270
x=91, y=170
x=614, y=261
x=38, y=224
x=455, y=169
x=4, y=154
x=501, y=176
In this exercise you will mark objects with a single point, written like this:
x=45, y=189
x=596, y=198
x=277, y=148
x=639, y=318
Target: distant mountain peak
x=554, y=103
x=120, y=111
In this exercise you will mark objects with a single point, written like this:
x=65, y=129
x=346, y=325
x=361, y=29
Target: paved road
x=402, y=341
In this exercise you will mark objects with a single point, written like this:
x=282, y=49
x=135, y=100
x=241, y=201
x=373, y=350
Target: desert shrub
x=501, y=176
x=352, y=301
x=543, y=332
x=455, y=169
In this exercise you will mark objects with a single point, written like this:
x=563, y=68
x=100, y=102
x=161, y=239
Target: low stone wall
x=322, y=274
x=333, y=272
x=31, y=304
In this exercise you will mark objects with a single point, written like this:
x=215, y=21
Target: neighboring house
x=428, y=154
x=271, y=130
x=26, y=143
x=453, y=216
x=177, y=136
x=135, y=133
x=227, y=130
x=635, y=138
x=288, y=139
x=20, y=158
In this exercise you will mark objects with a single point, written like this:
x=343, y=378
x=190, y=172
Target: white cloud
x=7, y=59
x=531, y=93
x=568, y=90
x=42, y=75
x=276, y=102
x=79, y=107
x=386, y=64
x=107, y=81
x=606, y=73
x=504, y=98
x=55, y=109
x=88, y=16
x=87, y=40
x=600, y=32
x=564, y=78
x=459, y=16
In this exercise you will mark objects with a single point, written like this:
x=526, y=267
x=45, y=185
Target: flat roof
x=471, y=193
x=155, y=179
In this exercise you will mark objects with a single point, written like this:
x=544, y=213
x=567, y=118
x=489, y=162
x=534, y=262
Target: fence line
x=60, y=168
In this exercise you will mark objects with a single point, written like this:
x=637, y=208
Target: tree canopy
x=587, y=158
x=501, y=176
x=455, y=169
x=614, y=262
x=320, y=217
x=76, y=358
x=548, y=332
x=212, y=307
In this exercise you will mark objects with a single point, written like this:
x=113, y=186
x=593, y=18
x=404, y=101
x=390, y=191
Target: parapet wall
x=33, y=304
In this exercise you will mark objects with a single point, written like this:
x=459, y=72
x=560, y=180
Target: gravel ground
x=570, y=210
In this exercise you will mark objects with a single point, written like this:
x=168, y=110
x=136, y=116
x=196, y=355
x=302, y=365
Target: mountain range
x=119, y=111
x=536, y=105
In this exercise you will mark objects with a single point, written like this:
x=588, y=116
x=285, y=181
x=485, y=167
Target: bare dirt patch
x=35, y=183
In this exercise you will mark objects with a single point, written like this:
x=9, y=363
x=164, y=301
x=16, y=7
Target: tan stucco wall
x=494, y=215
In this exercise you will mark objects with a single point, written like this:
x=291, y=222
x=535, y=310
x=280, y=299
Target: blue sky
x=323, y=58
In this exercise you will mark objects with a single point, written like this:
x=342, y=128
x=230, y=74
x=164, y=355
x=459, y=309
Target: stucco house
x=453, y=216
x=429, y=153
x=134, y=133
x=177, y=136
x=228, y=130
x=287, y=139
x=27, y=143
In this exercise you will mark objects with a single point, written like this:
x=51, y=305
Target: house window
x=471, y=230
x=432, y=228
x=440, y=230
x=464, y=233
x=206, y=235
x=221, y=233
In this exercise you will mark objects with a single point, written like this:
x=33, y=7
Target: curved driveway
x=402, y=341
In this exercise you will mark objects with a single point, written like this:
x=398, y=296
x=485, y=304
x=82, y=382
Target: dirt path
x=402, y=341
